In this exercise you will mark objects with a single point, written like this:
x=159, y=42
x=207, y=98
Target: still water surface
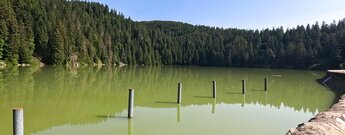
x=89, y=101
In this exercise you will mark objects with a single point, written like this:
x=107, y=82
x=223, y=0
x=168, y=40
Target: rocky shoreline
x=332, y=121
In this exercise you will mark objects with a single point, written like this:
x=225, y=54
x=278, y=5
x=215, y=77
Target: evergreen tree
x=2, y=46
x=56, y=43
x=52, y=30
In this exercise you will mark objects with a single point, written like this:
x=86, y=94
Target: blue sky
x=247, y=14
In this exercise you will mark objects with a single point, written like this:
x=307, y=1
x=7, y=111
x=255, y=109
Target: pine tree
x=2, y=46
x=56, y=45
x=51, y=30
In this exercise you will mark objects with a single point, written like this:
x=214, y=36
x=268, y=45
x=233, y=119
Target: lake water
x=89, y=101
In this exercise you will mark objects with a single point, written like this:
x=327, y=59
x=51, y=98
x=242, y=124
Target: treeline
x=54, y=30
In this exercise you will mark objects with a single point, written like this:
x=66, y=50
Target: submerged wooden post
x=214, y=89
x=179, y=92
x=265, y=97
x=244, y=101
x=265, y=84
x=243, y=86
x=214, y=106
x=179, y=113
x=130, y=103
x=130, y=127
x=18, y=121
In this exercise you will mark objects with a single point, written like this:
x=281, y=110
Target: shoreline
x=332, y=121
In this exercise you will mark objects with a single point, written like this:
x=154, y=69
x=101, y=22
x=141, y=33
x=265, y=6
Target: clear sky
x=247, y=14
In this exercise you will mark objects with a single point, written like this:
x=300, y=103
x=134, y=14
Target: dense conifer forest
x=52, y=31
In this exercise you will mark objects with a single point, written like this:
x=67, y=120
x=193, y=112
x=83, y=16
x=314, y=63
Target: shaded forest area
x=53, y=30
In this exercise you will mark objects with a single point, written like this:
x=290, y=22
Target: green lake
x=90, y=101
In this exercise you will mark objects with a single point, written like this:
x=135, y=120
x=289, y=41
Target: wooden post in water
x=130, y=103
x=18, y=121
x=243, y=86
x=265, y=84
x=214, y=89
x=179, y=92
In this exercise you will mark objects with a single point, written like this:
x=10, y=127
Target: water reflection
x=214, y=106
x=266, y=93
x=56, y=96
x=178, y=113
x=244, y=100
x=130, y=126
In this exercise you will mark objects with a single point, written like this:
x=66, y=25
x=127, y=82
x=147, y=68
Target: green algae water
x=89, y=101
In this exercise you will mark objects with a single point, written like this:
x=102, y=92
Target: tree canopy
x=53, y=30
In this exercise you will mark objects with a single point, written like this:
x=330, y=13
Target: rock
x=331, y=122
x=2, y=64
x=121, y=64
x=23, y=65
x=42, y=64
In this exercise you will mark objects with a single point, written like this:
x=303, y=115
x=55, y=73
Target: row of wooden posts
x=18, y=113
x=179, y=93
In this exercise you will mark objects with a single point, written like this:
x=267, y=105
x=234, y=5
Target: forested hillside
x=53, y=30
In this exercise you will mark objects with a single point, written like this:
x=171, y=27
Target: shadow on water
x=110, y=116
x=338, y=95
x=257, y=90
x=166, y=102
x=203, y=97
x=234, y=93
x=338, y=91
